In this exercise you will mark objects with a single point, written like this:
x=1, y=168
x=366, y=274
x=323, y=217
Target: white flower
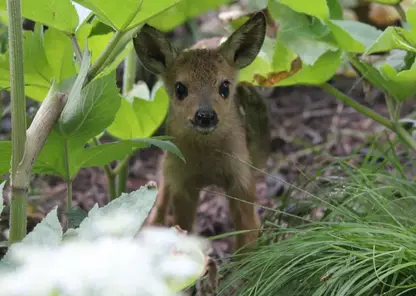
x=106, y=266
x=119, y=222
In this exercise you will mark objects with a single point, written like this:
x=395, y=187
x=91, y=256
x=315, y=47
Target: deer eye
x=224, y=89
x=181, y=91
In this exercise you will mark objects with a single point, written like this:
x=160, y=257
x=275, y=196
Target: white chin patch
x=205, y=130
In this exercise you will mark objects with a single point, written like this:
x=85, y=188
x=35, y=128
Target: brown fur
x=241, y=131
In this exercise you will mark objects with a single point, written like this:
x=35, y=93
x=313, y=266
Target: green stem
x=129, y=77
x=405, y=136
x=357, y=106
x=102, y=59
x=393, y=126
x=68, y=178
x=110, y=176
x=77, y=49
x=18, y=219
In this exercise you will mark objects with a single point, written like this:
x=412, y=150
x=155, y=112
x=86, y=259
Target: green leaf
x=307, y=38
x=353, y=36
x=184, y=10
x=58, y=14
x=403, y=80
x=141, y=113
x=317, y=8
x=73, y=111
x=5, y=156
x=103, y=154
x=335, y=9
x=117, y=14
x=46, y=56
x=98, y=42
x=46, y=233
x=83, y=118
x=323, y=70
x=122, y=217
x=59, y=53
x=50, y=160
x=398, y=85
x=393, y=38
x=287, y=69
x=1, y=196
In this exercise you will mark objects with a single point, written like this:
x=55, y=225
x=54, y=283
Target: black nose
x=206, y=118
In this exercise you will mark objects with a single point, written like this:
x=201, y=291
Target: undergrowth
x=365, y=243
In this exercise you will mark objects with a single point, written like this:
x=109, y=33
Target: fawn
x=210, y=118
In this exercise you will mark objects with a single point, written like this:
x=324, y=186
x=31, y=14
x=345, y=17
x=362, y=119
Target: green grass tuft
x=364, y=245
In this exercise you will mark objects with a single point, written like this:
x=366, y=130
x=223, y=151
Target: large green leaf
x=50, y=160
x=278, y=66
x=141, y=113
x=309, y=39
x=317, y=8
x=117, y=14
x=58, y=14
x=5, y=156
x=97, y=43
x=87, y=114
x=59, y=54
x=184, y=10
x=323, y=70
x=353, y=36
x=122, y=217
x=103, y=154
x=46, y=56
x=84, y=117
x=335, y=9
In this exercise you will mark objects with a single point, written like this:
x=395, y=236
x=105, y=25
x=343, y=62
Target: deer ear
x=153, y=49
x=242, y=47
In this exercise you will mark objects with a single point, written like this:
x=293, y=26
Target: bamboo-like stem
x=18, y=219
x=110, y=176
x=129, y=77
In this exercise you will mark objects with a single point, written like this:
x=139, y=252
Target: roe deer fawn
x=210, y=118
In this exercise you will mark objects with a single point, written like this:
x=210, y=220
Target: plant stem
x=76, y=47
x=405, y=136
x=101, y=60
x=357, y=106
x=129, y=77
x=18, y=219
x=393, y=126
x=68, y=178
x=110, y=176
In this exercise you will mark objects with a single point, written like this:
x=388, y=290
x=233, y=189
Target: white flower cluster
x=159, y=261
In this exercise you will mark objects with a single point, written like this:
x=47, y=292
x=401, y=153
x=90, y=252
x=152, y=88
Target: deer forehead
x=201, y=67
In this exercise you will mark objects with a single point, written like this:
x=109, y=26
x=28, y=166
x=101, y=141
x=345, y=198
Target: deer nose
x=206, y=118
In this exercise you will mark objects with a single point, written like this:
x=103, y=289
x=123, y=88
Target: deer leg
x=159, y=212
x=185, y=205
x=244, y=213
